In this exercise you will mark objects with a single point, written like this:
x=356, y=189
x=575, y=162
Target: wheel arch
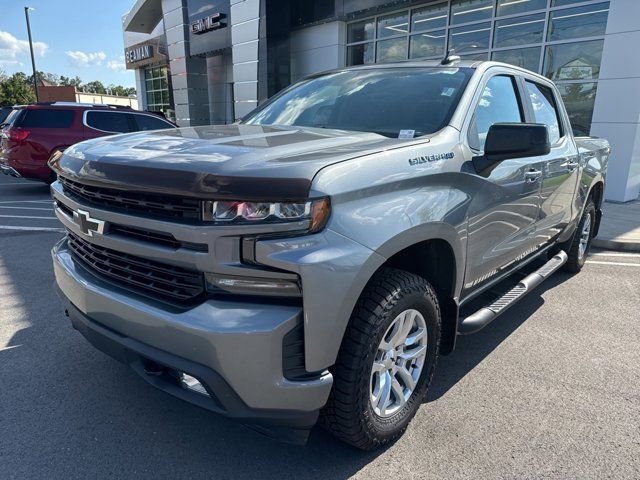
x=435, y=252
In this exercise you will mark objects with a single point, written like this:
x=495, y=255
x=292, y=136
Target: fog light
x=252, y=285
x=192, y=383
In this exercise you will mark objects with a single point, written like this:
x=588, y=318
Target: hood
x=228, y=162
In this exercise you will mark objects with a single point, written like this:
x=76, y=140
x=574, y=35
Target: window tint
x=498, y=104
x=519, y=31
x=46, y=118
x=463, y=11
x=579, y=99
x=147, y=122
x=114, y=122
x=528, y=58
x=428, y=18
x=392, y=50
x=429, y=44
x=470, y=37
x=544, y=109
x=4, y=113
x=510, y=7
x=573, y=61
x=393, y=24
x=587, y=21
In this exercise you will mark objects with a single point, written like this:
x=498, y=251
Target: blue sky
x=71, y=37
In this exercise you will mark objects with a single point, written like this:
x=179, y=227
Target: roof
x=73, y=105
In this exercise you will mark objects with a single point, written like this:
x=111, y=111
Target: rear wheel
x=386, y=361
x=581, y=243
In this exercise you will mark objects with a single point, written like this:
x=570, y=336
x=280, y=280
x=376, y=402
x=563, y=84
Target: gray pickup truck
x=311, y=262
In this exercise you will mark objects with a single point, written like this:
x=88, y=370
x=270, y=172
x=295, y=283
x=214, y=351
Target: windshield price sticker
x=407, y=134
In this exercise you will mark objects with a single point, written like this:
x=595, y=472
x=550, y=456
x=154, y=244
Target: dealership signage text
x=206, y=24
x=137, y=54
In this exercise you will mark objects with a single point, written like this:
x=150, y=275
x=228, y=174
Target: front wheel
x=386, y=361
x=581, y=243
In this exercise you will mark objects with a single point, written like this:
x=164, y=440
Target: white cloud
x=117, y=65
x=82, y=59
x=12, y=50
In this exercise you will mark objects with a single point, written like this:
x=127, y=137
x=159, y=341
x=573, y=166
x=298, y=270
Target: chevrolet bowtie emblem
x=88, y=225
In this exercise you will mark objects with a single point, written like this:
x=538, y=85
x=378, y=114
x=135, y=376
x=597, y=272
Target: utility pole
x=33, y=58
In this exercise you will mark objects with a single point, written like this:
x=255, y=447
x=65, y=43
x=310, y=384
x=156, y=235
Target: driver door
x=503, y=213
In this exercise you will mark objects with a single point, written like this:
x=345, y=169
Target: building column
x=246, y=25
x=616, y=115
x=188, y=75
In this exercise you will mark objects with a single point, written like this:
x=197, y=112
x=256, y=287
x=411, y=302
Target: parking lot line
x=4, y=202
x=614, y=263
x=27, y=208
x=32, y=229
x=605, y=254
x=27, y=216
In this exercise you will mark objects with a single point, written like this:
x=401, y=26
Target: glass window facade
x=561, y=39
x=158, y=91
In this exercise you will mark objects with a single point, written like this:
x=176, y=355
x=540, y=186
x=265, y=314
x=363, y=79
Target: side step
x=486, y=315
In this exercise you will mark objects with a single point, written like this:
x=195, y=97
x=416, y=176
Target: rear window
x=4, y=113
x=148, y=122
x=112, y=122
x=45, y=118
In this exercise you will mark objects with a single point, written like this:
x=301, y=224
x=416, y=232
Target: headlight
x=223, y=211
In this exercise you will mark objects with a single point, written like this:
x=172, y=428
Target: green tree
x=70, y=82
x=48, y=77
x=16, y=90
x=95, y=87
x=121, y=91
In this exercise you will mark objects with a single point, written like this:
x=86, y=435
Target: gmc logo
x=212, y=22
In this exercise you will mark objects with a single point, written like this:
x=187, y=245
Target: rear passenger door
x=99, y=123
x=504, y=208
x=560, y=167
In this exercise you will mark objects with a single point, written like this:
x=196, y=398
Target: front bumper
x=233, y=348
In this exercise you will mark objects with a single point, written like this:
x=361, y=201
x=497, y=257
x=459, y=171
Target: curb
x=622, y=246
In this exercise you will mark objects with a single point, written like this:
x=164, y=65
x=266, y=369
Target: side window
x=46, y=118
x=148, y=122
x=112, y=122
x=499, y=103
x=544, y=109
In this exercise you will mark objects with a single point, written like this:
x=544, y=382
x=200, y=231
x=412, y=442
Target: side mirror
x=512, y=140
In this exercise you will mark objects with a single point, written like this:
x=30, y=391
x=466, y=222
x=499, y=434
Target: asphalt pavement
x=549, y=390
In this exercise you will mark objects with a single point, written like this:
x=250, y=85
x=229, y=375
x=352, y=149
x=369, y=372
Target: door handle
x=532, y=175
x=570, y=165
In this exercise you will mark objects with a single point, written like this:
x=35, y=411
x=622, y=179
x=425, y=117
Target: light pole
x=33, y=58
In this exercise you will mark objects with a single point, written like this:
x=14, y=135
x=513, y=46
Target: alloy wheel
x=398, y=363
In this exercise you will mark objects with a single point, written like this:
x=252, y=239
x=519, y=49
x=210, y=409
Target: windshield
x=385, y=101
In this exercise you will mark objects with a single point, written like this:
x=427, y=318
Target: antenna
x=450, y=57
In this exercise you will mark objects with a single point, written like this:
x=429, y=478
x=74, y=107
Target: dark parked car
x=32, y=133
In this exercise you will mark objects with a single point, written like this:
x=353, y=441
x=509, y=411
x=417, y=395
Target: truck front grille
x=153, y=279
x=162, y=206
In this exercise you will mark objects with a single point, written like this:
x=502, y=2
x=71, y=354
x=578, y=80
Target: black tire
x=577, y=260
x=349, y=414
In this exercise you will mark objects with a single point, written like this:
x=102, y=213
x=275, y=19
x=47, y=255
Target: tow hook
x=152, y=368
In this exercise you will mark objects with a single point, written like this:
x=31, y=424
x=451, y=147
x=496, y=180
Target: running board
x=488, y=314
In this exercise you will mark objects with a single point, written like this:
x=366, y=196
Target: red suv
x=32, y=133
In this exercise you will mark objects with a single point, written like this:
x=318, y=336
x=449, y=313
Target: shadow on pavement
x=472, y=349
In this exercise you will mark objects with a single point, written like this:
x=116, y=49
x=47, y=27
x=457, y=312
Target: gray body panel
x=381, y=204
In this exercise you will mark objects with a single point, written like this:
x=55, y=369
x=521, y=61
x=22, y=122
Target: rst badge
x=88, y=226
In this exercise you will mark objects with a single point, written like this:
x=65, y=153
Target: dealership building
x=210, y=61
